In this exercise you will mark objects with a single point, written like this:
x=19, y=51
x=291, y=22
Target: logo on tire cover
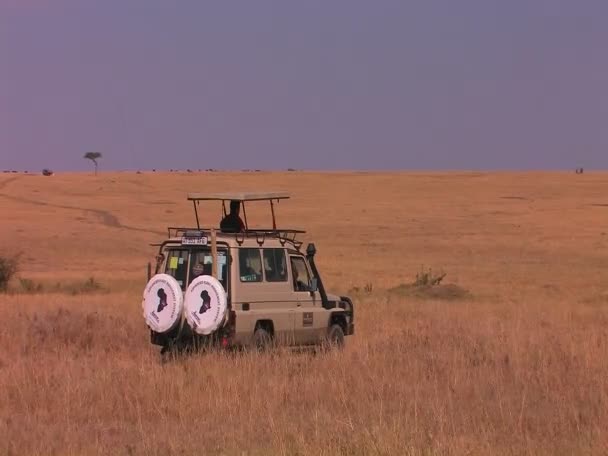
x=206, y=304
x=162, y=300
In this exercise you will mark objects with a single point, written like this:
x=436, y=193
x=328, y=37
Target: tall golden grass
x=517, y=366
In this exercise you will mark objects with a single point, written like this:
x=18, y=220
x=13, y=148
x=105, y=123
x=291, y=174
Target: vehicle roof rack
x=283, y=235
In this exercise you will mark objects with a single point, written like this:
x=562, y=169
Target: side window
x=177, y=266
x=300, y=276
x=275, y=266
x=250, y=265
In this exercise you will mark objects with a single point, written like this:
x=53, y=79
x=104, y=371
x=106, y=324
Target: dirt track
x=105, y=217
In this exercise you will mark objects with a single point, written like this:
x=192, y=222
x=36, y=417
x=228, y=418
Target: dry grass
x=518, y=366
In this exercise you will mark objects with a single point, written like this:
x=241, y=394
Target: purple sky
x=316, y=84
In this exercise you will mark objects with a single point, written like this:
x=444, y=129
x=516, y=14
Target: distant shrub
x=91, y=285
x=9, y=266
x=367, y=289
x=428, y=278
x=29, y=286
x=427, y=285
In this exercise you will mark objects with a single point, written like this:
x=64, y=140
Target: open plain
x=507, y=356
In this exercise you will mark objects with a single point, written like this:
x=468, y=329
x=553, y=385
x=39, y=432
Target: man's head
x=198, y=269
x=235, y=207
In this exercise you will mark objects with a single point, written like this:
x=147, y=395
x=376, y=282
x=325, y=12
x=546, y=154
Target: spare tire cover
x=163, y=303
x=205, y=304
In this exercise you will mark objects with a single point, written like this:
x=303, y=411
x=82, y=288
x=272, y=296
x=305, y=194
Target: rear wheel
x=262, y=339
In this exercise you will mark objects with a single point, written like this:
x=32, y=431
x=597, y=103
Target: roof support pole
x=198, y=225
x=274, y=223
x=245, y=216
x=214, y=254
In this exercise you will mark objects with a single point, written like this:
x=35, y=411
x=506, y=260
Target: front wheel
x=334, y=338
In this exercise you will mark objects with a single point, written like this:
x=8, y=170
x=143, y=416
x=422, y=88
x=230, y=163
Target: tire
x=335, y=337
x=262, y=339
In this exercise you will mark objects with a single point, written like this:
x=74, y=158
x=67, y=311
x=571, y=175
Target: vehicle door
x=309, y=314
x=263, y=292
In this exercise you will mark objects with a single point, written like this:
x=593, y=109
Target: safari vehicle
x=253, y=287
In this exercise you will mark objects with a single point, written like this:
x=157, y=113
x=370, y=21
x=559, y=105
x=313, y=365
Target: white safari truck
x=238, y=286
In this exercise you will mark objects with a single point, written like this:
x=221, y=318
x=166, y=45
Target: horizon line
x=308, y=170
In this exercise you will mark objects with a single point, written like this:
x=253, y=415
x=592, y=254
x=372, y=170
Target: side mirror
x=314, y=285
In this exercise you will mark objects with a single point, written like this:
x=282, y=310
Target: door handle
x=299, y=305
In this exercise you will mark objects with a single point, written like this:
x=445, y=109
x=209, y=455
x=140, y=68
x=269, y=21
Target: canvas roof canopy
x=238, y=196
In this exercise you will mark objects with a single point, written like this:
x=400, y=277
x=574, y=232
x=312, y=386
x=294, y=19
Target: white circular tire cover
x=205, y=305
x=163, y=303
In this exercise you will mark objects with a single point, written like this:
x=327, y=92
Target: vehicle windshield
x=185, y=264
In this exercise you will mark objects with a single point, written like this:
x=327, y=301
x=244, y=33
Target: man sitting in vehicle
x=298, y=285
x=232, y=223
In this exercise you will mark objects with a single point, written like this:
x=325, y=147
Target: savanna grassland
x=509, y=357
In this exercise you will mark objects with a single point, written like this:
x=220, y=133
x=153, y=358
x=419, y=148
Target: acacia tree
x=93, y=156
